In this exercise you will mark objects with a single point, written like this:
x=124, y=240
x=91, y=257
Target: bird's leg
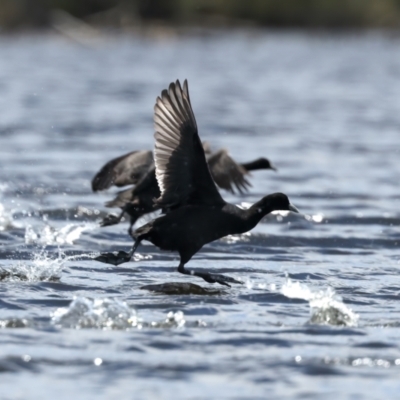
x=210, y=278
x=111, y=219
x=130, y=230
x=134, y=218
x=121, y=257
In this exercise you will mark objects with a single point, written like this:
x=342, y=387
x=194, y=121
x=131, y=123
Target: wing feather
x=124, y=170
x=181, y=169
x=227, y=173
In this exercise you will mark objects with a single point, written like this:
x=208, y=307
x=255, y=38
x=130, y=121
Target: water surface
x=317, y=314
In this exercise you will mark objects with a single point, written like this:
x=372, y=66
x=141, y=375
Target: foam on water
x=50, y=236
x=104, y=313
x=42, y=267
x=326, y=307
x=110, y=314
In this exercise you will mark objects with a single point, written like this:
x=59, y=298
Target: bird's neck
x=256, y=212
x=254, y=165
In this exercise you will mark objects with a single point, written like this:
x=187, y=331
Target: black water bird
x=138, y=168
x=195, y=212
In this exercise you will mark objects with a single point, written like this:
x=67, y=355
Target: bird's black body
x=136, y=201
x=191, y=227
x=138, y=167
x=195, y=212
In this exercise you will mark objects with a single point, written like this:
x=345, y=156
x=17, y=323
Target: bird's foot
x=110, y=220
x=114, y=259
x=216, y=278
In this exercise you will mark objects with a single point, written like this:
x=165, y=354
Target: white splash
x=173, y=320
x=42, y=267
x=51, y=236
x=318, y=218
x=107, y=314
x=110, y=314
x=6, y=219
x=244, y=237
x=326, y=307
x=84, y=211
x=137, y=256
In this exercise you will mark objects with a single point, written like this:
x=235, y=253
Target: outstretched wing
x=181, y=168
x=227, y=173
x=122, y=199
x=124, y=170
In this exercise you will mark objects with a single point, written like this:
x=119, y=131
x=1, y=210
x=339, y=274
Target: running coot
x=138, y=168
x=195, y=212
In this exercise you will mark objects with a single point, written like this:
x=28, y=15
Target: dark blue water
x=318, y=314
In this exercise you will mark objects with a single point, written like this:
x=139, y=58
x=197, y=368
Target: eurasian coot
x=137, y=167
x=195, y=212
